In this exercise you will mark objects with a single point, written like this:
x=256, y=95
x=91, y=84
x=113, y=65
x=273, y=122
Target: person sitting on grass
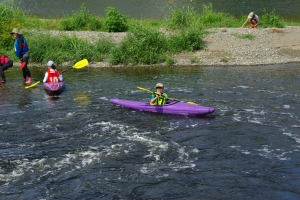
x=159, y=97
x=52, y=75
x=252, y=19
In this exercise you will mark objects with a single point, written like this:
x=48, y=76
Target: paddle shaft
x=189, y=102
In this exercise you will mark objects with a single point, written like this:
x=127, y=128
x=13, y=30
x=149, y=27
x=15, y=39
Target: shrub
x=180, y=18
x=140, y=46
x=115, y=21
x=81, y=20
x=188, y=40
x=271, y=20
x=216, y=19
x=10, y=18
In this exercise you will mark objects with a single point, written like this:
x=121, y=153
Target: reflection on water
x=159, y=8
x=81, y=146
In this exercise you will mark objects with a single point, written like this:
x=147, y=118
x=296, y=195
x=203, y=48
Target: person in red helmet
x=52, y=74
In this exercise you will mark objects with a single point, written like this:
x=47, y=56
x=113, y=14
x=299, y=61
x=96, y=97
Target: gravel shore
x=227, y=46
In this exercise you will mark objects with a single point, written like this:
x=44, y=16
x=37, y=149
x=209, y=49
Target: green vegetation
x=115, y=21
x=147, y=41
x=244, y=36
x=63, y=48
x=81, y=20
x=271, y=20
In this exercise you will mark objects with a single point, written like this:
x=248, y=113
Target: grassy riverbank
x=146, y=42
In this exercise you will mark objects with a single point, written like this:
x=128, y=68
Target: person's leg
x=26, y=71
x=2, y=73
x=253, y=23
x=4, y=68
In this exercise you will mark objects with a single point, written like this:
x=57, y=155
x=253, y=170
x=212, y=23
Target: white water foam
x=124, y=143
x=266, y=152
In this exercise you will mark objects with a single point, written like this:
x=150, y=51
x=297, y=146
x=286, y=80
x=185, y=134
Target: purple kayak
x=53, y=88
x=175, y=107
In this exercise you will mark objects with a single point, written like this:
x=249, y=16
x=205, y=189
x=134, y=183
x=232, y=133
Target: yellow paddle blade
x=145, y=89
x=190, y=102
x=29, y=86
x=81, y=64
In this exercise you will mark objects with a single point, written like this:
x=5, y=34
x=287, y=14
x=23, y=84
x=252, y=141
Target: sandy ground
x=227, y=46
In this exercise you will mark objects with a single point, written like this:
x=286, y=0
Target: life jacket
x=53, y=75
x=3, y=60
x=24, y=46
x=161, y=100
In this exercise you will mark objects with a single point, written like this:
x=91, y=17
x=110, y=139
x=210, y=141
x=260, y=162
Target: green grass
x=244, y=36
x=145, y=43
x=64, y=48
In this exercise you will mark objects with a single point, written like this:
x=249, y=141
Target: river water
x=80, y=146
x=289, y=9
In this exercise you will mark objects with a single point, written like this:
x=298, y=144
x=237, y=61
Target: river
x=141, y=9
x=80, y=146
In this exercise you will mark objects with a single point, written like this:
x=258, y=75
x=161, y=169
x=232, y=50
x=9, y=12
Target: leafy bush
x=81, y=20
x=180, y=18
x=148, y=46
x=10, y=18
x=211, y=18
x=115, y=21
x=271, y=20
x=140, y=46
x=188, y=40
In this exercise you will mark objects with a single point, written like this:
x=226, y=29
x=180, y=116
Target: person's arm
x=20, y=48
x=46, y=77
x=154, y=99
x=245, y=23
x=60, y=77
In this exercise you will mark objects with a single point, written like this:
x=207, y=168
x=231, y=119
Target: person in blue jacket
x=22, y=52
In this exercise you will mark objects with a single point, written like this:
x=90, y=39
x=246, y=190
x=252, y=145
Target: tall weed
x=64, y=48
x=115, y=21
x=271, y=20
x=187, y=40
x=148, y=46
x=211, y=18
x=142, y=45
x=80, y=20
x=181, y=17
x=10, y=18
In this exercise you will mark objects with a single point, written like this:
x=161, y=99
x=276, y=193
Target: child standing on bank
x=22, y=52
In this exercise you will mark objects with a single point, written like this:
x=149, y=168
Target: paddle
x=80, y=64
x=189, y=102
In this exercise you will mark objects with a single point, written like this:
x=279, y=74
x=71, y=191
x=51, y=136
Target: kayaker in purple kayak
x=159, y=97
x=52, y=74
